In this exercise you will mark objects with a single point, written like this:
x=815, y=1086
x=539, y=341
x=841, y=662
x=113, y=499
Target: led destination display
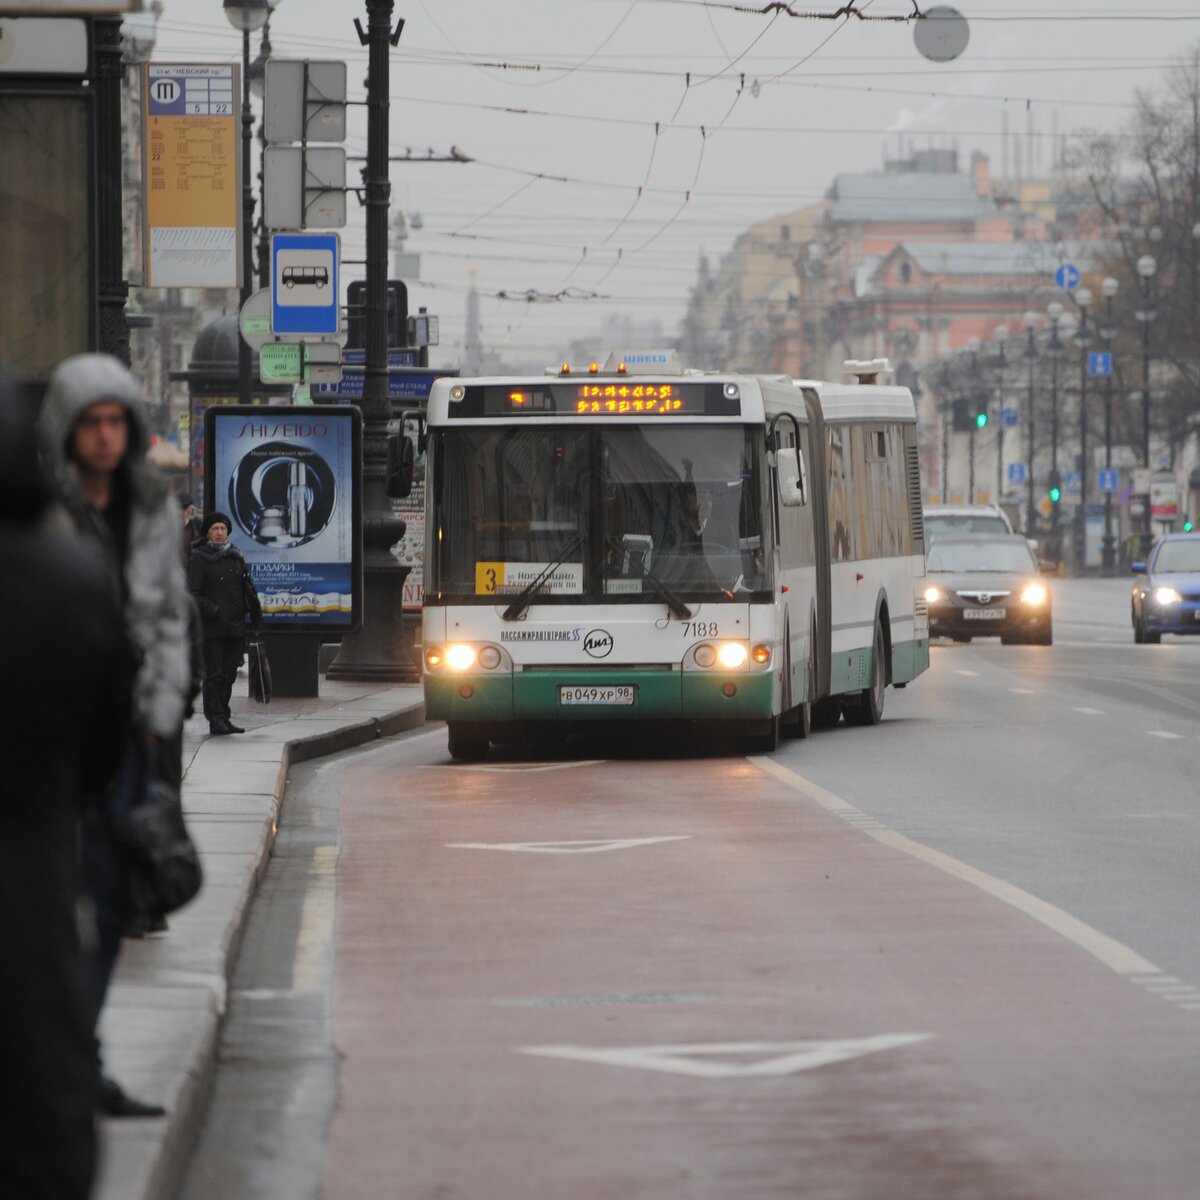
x=597, y=398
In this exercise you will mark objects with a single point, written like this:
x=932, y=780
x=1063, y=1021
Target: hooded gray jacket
x=157, y=608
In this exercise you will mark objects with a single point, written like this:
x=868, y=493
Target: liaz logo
x=598, y=643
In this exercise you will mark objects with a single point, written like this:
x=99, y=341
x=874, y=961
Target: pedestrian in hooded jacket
x=73, y=662
x=94, y=440
x=220, y=581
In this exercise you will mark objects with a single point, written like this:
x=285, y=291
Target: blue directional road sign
x=1016, y=473
x=1009, y=418
x=402, y=384
x=1099, y=363
x=305, y=288
x=1067, y=277
x=1108, y=479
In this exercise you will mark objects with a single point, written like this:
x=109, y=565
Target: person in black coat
x=220, y=581
x=63, y=741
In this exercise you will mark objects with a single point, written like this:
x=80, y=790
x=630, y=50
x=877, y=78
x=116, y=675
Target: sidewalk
x=161, y=1023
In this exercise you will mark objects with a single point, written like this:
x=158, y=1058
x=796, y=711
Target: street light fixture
x=1108, y=330
x=246, y=16
x=1031, y=319
x=1146, y=267
x=258, y=85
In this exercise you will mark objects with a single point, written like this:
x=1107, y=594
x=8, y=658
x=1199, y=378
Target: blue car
x=1166, y=589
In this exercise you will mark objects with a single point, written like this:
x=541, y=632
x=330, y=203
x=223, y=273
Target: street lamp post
x=972, y=385
x=1001, y=339
x=246, y=16
x=1055, y=311
x=1030, y=421
x=1108, y=330
x=947, y=406
x=258, y=85
x=1083, y=339
x=1146, y=267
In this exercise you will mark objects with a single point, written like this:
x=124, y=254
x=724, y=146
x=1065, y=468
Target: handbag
x=166, y=870
x=260, y=671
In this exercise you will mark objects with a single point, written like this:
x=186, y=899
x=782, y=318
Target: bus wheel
x=826, y=713
x=467, y=744
x=798, y=723
x=869, y=709
x=766, y=743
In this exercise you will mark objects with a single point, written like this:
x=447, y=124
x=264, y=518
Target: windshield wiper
x=672, y=601
x=521, y=603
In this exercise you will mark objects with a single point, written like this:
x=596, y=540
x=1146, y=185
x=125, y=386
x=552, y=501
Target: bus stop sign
x=305, y=288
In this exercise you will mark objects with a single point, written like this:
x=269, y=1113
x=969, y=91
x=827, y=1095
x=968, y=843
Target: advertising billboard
x=290, y=480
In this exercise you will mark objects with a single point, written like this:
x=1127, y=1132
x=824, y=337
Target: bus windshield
x=627, y=509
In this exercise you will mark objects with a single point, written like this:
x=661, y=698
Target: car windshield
x=980, y=556
x=1174, y=557
x=965, y=523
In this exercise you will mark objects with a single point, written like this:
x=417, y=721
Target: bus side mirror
x=399, y=466
x=793, y=479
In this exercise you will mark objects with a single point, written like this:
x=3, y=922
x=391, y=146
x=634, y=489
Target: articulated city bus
x=641, y=544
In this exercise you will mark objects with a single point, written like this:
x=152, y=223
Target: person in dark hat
x=220, y=581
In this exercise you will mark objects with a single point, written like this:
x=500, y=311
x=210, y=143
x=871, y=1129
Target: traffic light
x=1055, y=487
x=981, y=418
x=961, y=417
x=1187, y=527
x=356, y=314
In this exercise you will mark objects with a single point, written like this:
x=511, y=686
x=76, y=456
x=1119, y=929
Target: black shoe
x=113, y=1102
x=230, y=727
x=220, y=728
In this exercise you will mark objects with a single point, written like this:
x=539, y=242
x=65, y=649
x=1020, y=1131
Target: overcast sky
x=617, y=139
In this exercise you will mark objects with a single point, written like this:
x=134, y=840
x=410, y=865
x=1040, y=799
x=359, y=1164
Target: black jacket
x=220, y=581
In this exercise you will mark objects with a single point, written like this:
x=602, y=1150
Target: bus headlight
x=489, y=658
x=704, y=655
x=460, y=657
x=1166, y=595
x=434, y=657
x=732, y=655
x=1034, y=593
x=761, y=655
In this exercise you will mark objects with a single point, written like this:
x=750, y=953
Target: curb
x=151, y=1158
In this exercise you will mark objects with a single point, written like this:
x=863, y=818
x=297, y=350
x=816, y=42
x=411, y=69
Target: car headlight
x=733, y=655
x=460, y=657
x=1166, y=595
x=1034, y=593
x=932, y=595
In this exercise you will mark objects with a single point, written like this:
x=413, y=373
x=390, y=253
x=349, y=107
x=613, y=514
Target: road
x=953, y=956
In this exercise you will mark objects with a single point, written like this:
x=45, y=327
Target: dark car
x=1166, y=590
x=984, y=586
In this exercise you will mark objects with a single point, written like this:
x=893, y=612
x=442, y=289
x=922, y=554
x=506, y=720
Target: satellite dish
x=941, y=34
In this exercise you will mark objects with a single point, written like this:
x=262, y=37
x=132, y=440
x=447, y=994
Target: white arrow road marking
x=774, y=1058
x=1088, y=712
x=1163, y=733
x=590, y=846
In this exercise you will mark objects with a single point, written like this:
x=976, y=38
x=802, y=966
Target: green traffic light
x=1187, y=527
x=1055, y=495
x=981, y=419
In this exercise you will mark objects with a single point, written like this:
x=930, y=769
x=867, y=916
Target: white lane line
x=699, y=1059
x=1163, y=733
x=969, y=674
x=586, y=846
x=1113, y=954
x=1021, y=691
x=1088, y=712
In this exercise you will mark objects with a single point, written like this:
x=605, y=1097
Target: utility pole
x=377, y=652
x=113, y=330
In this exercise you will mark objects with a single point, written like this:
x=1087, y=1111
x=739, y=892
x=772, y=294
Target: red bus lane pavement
x=560, y=981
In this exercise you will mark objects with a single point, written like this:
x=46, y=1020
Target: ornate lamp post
x=1001, y=336
x=258, y=85
x=1107, y=329
x=1030, y=422
x=1054, y=310
x=1145, y=313
x=1083, y=339
x=972, y=384
x=246, y=16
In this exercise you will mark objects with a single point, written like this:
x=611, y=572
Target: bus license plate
x=984, y=614
x=616, y=694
